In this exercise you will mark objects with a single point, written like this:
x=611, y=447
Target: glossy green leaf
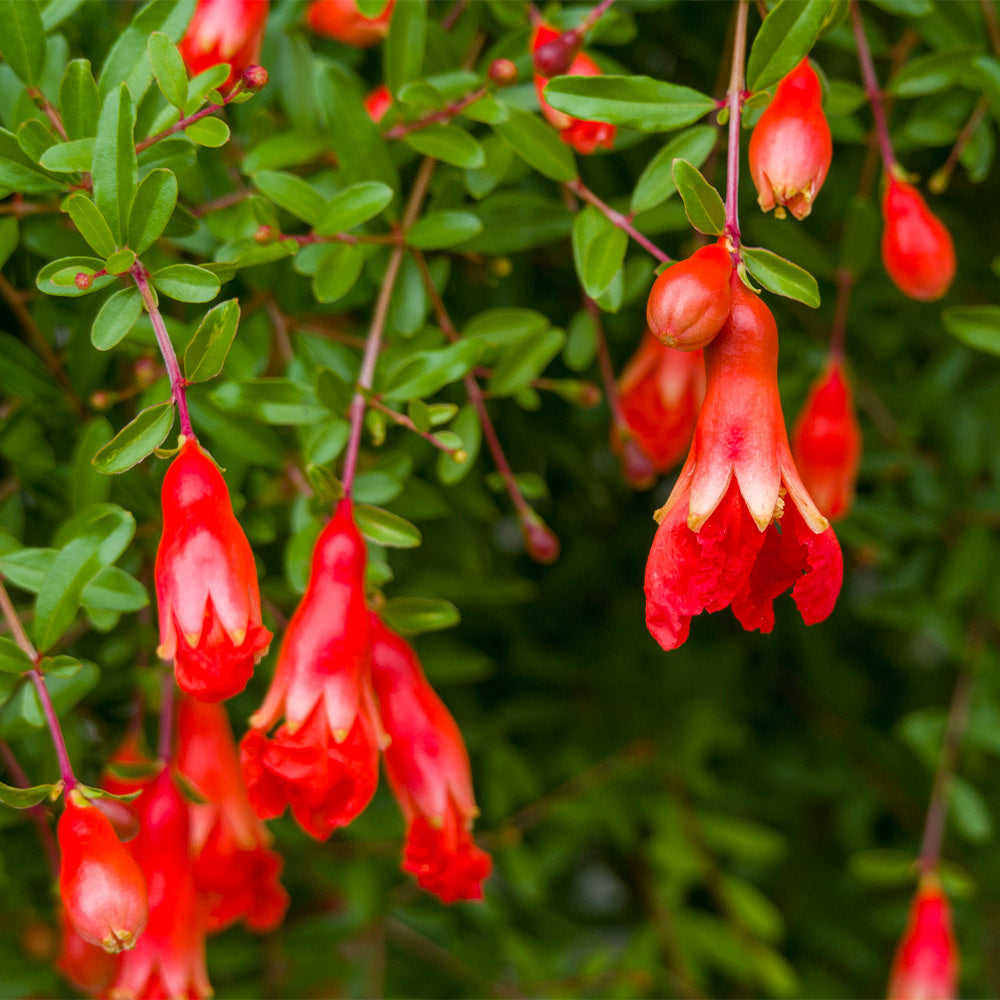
x=404, y=45
x=470, y=432
x=168, y=68
x=186, y=282
x=206, y=353
x=438, y=230
x=35, y=137
x=56, y=11
x=208, y=131
x=501, y=327
x=9, y=234
x=114, y=590
x=338, y=272
x=154, y=203
x=91, y=224
x=120, y=261
x=272, y=400
x=384, y=528
x=333, y=391
x=79, y=100
x=136, y=440
x=933, y=72
x=69, y=157
x=598, y=250
x=523, y=364
x=116, y=317
x=637, y=102
x=13, y=659
x=430, y=371
x=115, y=168
x=703, y=205
x=416, y=615
x=291, y=193
x=69, y=266
x=781, y=276
x=656, y=183
x=448, y=143
x=25, y=798
x=975, y=326
x=786, y=36
x=22, y=43
x=352, y=206
x=538, y=144
x=19, y=173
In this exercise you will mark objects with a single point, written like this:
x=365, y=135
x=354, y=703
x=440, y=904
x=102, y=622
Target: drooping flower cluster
x=926, y=963
x=224, y=31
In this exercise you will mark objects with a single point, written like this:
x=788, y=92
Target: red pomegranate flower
x=323, y=761
x=341, y=19
x=917, y=249
x=378, y=102
x=661, y=392
x=234, y=869
x=926, y=962
x=102, y=889
x=739, y=527
x=826, y=443
x=206, y=582
x=428, y=769
x=583, y=136
x=224, y=31
x=791, y=148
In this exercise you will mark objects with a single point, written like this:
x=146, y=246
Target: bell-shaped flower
x=234, y=868
x=428, y=769
x=826, y=442
x=102, y=889
x=206, y=582
x=917, y=249
x=224, y=31
x=739, y=527
x=660, y=392
x=323, y=760
x=342, y=20
x=169, y=960
x=583, y=136
x=791, y=148
x=926, y=963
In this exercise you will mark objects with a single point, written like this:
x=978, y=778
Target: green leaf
x=19, y=173
x=415, y=615
x=56, y=11
x=522, y=365
x=35, y=137
x=25, y=798
x=291, y=193
x=785, y=37
x=186, y=282
x=71, y=265
x=598, y=250
x=338, y=271
x=975, y=326
x=114, y=590
x=208, y=131
x=23, y=40
x=933, y=72
x=637, y=102
x=404, y=45
x=429, y=371
x=9, y=235
x=79, y=100
x=154, y=203
x=502, y=327
x=206, y=353
x=69, y=157
x=115, y=168
x=120, y=261
x=91, y=224
x=438, y=230
x=333, y=391
x=986, y=70
x=656, y=182
x=116, y=317
x=538, y=144
x=273, y=400
x=781, y=276
x=703, y=205
x=384, y=528
x=136, y=440
x=352, y=206
x=448, y=143
x=168, y=68
x=13, y=659
x=469, y=431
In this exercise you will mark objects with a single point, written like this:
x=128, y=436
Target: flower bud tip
x=254, y=78
x=503, y=72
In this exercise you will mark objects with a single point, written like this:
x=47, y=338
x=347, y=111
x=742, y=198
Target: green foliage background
x=735, y=818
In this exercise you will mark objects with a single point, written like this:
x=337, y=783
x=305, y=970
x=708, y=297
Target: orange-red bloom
x=428, y=769
x=102, y=889
x=169, y=960
x=661, y=392
x=583, y=136
x=224, y=31
x=791, y=148
x=926, y=962
x=234, y=869
x=917, y=249
x=341, y=19
x=826, y=443
x=739, y=527
x=378, y=102
x=323, y=761
x=206, y=582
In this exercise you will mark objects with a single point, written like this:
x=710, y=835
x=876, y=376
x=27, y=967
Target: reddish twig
x=623, y=222
x=456, y=454
x=439, y=117
x=187, y=120
x=872, y=88
x=734, y=101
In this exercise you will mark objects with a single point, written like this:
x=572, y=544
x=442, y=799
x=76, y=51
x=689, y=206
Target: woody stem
x=734, y=101
x=872, y=88
x=190, y=119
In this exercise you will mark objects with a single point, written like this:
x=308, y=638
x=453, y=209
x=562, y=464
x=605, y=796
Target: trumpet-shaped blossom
x=428, y=769
x=661, y=392
x=102, y=889
x=583, y=136
x=739, y=527
x=323, y=760
x=826, y=443
x=926, y=963
x=341, y=19
x=234, y=868
x=791, y=147
x=224, y=31
x=206, y=582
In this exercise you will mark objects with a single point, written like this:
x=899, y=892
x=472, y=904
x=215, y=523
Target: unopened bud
x=83, y=281
x=264, y=234
x=145, y=371
x=637, y=466
x=503, y=72
x=254, y=78
x=100, y=400
x=539, y=539
x=555, y=58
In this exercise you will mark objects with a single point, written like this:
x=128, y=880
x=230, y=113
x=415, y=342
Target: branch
x=872, y=88
x=734, y=101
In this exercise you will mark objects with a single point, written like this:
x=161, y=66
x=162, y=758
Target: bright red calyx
x=661, y=391
x=378, y=102
x=739, y=527
x=826, y=443
x=235, y=871
x=583, y=136
x=689, y=302
x=323, y=761
x=926, y=963
x=224, y=31
x=341, y=19
x=206, y=582
x=917, y=249
x=791, y=147
x=101, y=887
x=428, y=769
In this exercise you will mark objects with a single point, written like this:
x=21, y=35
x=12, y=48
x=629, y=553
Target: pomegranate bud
x=539, y=539
x=555, y=58
x=254, y=78
x=503, y=72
